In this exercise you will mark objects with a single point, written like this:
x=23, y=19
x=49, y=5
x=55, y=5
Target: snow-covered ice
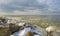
x=25, y=30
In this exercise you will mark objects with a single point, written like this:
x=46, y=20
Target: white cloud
x=20, y=6
x=33, y=12
x=29, y=12
x=3, y=13
x=5, y=1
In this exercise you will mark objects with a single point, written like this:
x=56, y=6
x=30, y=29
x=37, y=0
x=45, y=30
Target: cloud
x=43, y=6
x=29, y=12
x=2, y=13
x=22, y=5
x=33, y=12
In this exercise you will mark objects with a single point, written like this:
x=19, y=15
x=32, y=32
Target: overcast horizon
x=29, y=7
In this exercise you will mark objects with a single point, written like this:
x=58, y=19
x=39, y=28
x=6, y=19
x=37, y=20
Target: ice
x=25, y=30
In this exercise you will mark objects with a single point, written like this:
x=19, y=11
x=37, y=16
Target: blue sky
x=30, y=7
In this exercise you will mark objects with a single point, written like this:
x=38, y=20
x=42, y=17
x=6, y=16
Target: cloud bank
x=30, y=7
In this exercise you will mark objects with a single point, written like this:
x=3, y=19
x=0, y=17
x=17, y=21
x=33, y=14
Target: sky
x=29, y=7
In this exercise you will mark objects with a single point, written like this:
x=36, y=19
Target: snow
x=50, y=28
x=36, y=35
x=25, y=30
x=21, y=24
